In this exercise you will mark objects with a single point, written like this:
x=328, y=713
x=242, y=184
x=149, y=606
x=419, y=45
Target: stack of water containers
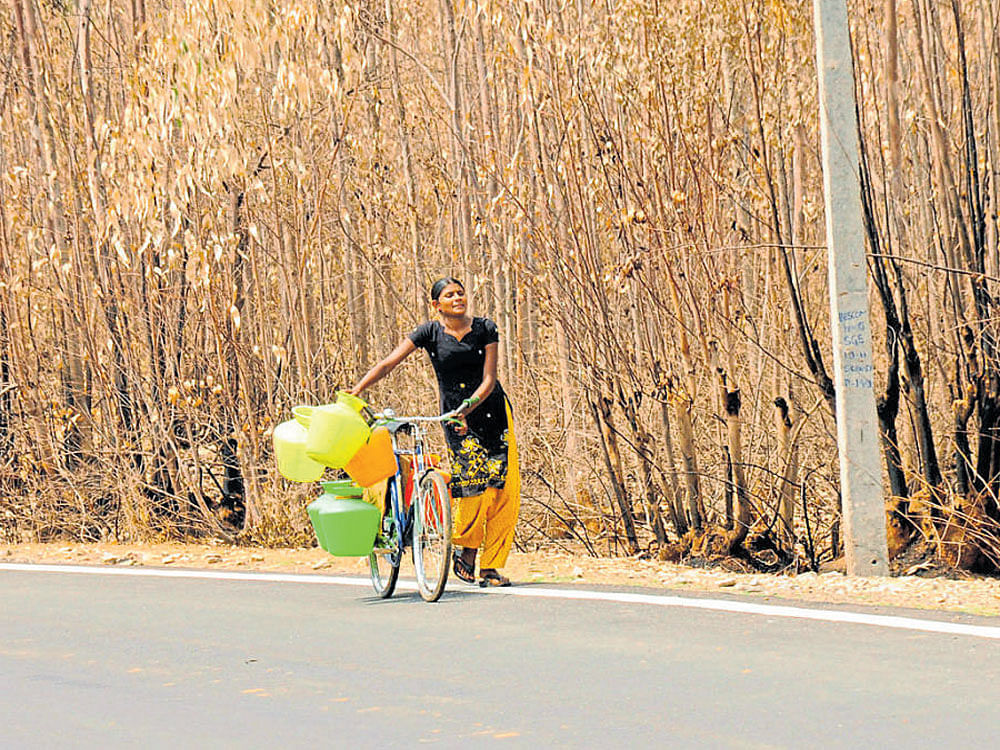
x=337, y=436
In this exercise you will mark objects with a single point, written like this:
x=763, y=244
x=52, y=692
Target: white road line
x=715, y=605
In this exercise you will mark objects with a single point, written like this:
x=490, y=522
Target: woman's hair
x=440, y=284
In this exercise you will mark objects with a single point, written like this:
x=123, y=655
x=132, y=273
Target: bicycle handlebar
x=388, y=416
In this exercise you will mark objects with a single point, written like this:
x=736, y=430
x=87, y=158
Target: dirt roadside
x=977, y=596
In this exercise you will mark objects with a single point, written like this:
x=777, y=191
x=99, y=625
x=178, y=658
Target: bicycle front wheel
x=432, y=535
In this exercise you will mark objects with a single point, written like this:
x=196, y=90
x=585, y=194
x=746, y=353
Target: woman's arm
x=383, y=368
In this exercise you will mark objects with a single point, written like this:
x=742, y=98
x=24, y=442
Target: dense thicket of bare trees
x=212, y=211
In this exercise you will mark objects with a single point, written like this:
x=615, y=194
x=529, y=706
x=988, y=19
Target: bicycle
x=420, y=518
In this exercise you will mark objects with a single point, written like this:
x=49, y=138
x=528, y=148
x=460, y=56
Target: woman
x=484, y=469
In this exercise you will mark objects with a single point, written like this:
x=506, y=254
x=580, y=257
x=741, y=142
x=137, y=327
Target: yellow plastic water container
x=289, y=440
x=336, y=432
x=303, y=415
x=374, y=461
x=356, y=403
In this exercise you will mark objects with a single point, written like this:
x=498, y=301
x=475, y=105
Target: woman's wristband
x=467, y=405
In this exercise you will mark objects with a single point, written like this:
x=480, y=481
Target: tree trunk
x=683, y=408
x=735, y=446
x=675, y=502
x=571, y=445
x=644, y=451
x=470, y=264
x=788, y=453
x=234, y=497
x=613, y=463
x=961, y=412
x=419, y=277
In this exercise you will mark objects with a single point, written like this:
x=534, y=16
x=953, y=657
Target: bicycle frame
x=401, y=513
x=426, y=529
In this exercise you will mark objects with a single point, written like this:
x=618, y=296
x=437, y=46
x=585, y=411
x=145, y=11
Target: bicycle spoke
x=384, y=571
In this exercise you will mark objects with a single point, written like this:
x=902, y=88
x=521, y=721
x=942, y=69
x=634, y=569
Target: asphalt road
x=98, y=661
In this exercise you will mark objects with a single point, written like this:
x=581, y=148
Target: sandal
x=493, y=578
x=463, y=570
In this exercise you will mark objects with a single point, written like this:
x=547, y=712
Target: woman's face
x=452, y=300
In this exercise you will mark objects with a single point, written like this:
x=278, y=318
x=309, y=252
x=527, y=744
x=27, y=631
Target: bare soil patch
x=978, y=596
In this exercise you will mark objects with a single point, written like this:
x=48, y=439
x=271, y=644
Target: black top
x=479, y=458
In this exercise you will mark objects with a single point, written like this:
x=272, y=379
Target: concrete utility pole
x=865, y=544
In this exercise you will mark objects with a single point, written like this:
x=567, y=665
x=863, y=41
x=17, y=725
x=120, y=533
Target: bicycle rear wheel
x=384, y=560
x=432, y=535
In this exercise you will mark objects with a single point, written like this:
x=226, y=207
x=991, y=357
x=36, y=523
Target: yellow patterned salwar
x=487, y=520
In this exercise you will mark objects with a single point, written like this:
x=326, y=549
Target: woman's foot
x=490, y=577
x=465, y=564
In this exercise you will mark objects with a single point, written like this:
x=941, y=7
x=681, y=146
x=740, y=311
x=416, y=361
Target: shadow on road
x=456, y=594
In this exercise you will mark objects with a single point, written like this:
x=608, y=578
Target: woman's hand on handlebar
x=456, y=420
x=456, y=417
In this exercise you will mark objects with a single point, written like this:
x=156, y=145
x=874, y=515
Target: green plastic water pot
x=342, y=488
x=345, y=526
x=313, y=509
